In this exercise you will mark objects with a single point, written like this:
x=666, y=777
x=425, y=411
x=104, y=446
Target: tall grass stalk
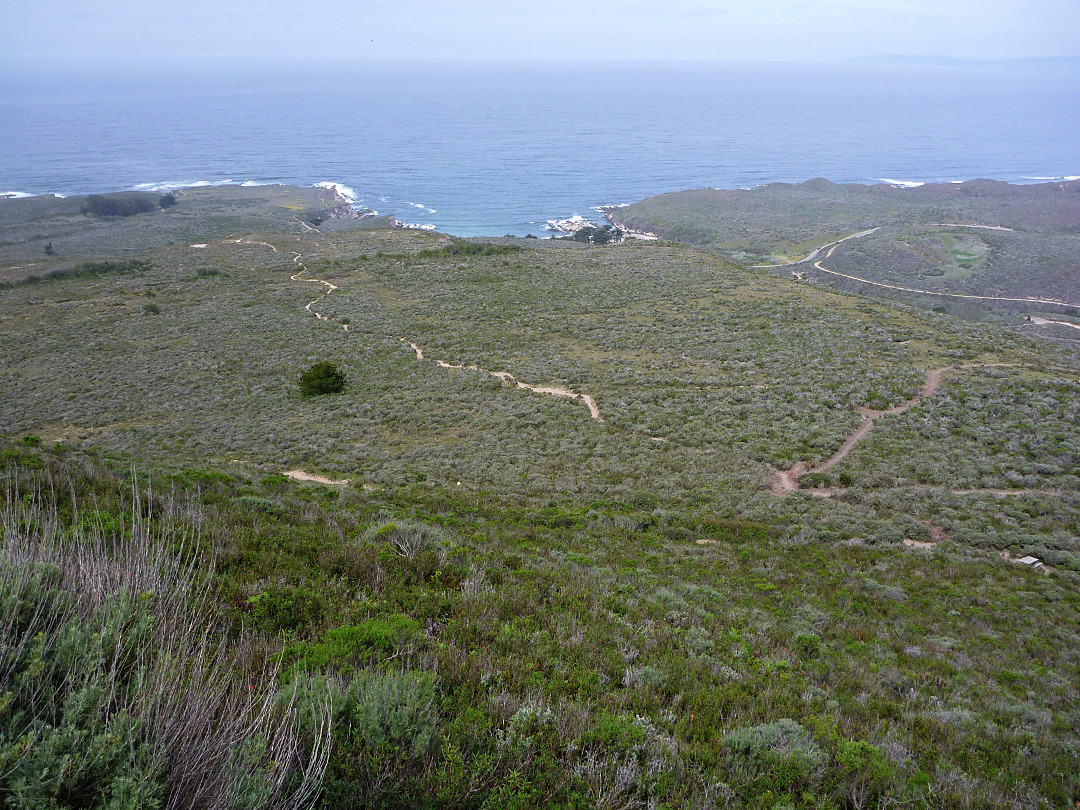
x=114, y=642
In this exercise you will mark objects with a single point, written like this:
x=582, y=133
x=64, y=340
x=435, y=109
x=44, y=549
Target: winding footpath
x=505, y=376
x=509, y=379
x=782, y=482
x=814, y=253
x=832, y=246
x=785, y=481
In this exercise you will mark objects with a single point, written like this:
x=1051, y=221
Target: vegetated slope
x=575, y=654
x=595, y=598
x=705, y=375
x=28, y=225
x=1028, y=250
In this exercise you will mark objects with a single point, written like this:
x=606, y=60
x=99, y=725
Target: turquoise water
x=500, y=148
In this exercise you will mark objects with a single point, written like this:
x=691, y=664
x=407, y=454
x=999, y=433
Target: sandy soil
x=1035, y=319
x=300, y=475
x=917, y=543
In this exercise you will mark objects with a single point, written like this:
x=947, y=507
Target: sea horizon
x=492, y=148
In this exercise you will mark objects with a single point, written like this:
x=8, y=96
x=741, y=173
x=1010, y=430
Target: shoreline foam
x=342, y=190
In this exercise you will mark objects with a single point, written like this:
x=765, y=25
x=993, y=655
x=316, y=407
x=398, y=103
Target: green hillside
x=589, y=526
x=959, y=247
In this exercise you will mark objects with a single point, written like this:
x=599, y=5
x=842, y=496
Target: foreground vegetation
x=498, y=656
x=500, y=601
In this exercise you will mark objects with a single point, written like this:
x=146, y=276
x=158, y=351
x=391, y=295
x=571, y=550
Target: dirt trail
x=1035, y=319
x=929, y=387
x=1007, y=493
x=918, y=543
x=297, y=259
x=963, y=225
x=832, y=246
x=300, y=475
x=1026, y=300
x=250, y=242
x=813, y=254
x=329, y=289
x=785, y=481
x=937, y=535
x=509, y=379
x=506, y=377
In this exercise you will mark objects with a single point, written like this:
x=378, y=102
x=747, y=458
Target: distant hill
x=102, y=226
x=1068, y=62
x=978, y=238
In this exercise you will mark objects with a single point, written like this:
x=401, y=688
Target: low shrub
x=779, y=756
x=118, y=688
x=322, y=378
x=350, y=645
x=395, y=713
x=121, y=205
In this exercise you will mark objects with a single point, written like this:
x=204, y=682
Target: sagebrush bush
x=779, y=756
x=408, y=538
x=395, y=713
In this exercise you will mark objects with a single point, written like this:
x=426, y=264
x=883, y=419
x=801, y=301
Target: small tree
x=322, y=378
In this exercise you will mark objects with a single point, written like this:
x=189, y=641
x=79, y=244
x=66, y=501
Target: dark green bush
x=322, y=378
x=120, y=205
x=264, y=506
x=85, y=270
x=286, y=608
x=460, y=247
x=865, y=768
x=614, y=733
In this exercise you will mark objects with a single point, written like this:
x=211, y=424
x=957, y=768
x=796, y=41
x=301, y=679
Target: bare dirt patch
x=918, y=543
x=300, y=475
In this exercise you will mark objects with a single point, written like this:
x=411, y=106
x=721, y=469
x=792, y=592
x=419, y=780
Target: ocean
x=500, y=148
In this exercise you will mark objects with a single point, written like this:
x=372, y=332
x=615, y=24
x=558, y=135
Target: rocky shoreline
x=618, y=232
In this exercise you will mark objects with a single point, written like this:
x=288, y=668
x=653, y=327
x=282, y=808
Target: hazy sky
x=605, y=29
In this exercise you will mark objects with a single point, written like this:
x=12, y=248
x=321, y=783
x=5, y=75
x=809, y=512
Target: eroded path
x=1021, y=300
x=1035, y=319
x=300, y=475
x=814, y=253
x=505, y=376
x=785, y=481
x=832, y=246
x=509, y=379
